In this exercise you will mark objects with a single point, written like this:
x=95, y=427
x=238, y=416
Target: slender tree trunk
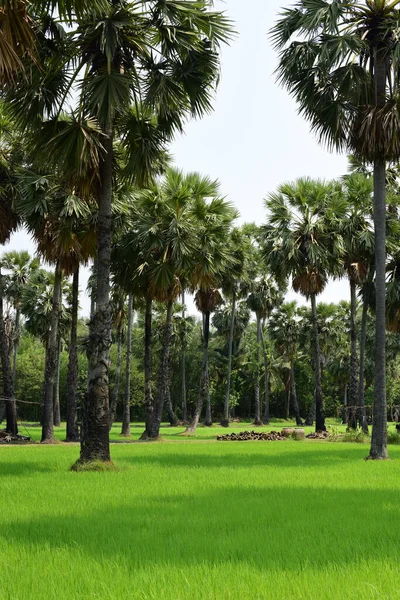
x=379, y=424
x=115, y=396
x=257, y=402
x=16, y=342
x=266, y=381
x=287, y=408
x=204, y=377
x=363, y=338
x=353, y=387
x=95, y=443
x=72, y=375
x=225, y=420
x=57, y=414
x=345, y=415
x=172, y=418
x=152, y=431
x=293, y=394
x=8, y=388
x=126, y=420
x=184, y=392
x=51, y=362
x=208, y=420
x=148, y=396
x=319, y=406
x=311, y=413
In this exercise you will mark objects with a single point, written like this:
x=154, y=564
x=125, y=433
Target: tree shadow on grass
x=267, y=527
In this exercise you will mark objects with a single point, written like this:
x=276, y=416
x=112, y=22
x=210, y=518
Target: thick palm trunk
x=126, y=420
x=117, y=382
x=184, y=392
x=16, y=342
x=257, y=403
x=319, y=406
x=72, y=375
x=8, y=388
x=50, y=373
x=204, y=377
x=95, y=443
x=225, y=420
x=266, y=381
x=293, y=394
x=57, y=413
x=363, y=339
x=379, y=424
x=353, y=387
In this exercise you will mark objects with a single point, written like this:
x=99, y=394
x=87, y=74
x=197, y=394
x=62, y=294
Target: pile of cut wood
x=321, y=435
x=244, y=436
x=9, y=438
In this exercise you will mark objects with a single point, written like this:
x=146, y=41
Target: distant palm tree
x=340, y=62
x=299, y=244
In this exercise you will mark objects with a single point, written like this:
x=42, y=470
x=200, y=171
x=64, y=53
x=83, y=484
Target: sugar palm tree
x=264, y=296
x=358, y=246
x=341, y=66
x=298, y=244
x=20, y=266
x=284, y=326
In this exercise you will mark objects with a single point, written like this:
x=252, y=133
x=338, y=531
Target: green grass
x=194, y=520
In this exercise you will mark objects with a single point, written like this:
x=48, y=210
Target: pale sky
x=254, y=140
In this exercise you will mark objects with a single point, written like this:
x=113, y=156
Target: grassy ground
x=253, y=520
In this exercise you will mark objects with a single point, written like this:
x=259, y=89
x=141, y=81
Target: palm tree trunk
x=353, y=387
x=266, y=381
x=319, y=406
x=126, y=420
x=184, y=392
x=72, y=376
x=311, y=413
x=257, y=403
x=115, y=397
x=95, y=443
x=57, y=414
x=345, y=414
x=208, y=420
x=379, y=424
x=361, y=379
x=204, y=377
x=8, y=388
x=16, y=343
x=293, y=394
x=148, y=397
x=51, y=362
x=225, y=420
x=172, y=418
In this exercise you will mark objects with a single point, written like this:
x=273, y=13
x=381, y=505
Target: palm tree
x=118, y=302
x=341, y=66
x=20, y=266
x=263, y=297
x=126, y=420
x=139, y=85
x=284, y=326
x=298, y=244
x=358, y=246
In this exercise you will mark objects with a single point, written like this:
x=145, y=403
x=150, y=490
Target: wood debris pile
x=244, y=436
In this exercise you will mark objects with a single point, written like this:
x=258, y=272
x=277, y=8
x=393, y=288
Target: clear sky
x=254, y=140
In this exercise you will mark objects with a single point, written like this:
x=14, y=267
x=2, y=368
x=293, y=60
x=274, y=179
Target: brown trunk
x=72, y=375
x=204, y=377
x=293, y=394
x=115, y=397
x=225, y=420
x=184, y=398
x=353, y=387
x=148, y=397
x=126, y=419
x=16, y=342
x=208, y=420
x=8, y=388
x=57, y=414
x=257, y=403
x=319, y=406
x=51, y=362
x=95, y=443
x=266, y=381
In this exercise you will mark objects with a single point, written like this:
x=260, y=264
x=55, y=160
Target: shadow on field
x=22, y=468
x=312, y=456
x=268, y=527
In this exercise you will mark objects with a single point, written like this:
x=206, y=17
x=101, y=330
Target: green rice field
x=195, y=520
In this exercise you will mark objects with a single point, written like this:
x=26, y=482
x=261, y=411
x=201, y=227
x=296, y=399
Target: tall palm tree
x=358, y=246
x=284, y=326
x=298, y=244
x=20, y=266
x=263, y=297
x=341, y=66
